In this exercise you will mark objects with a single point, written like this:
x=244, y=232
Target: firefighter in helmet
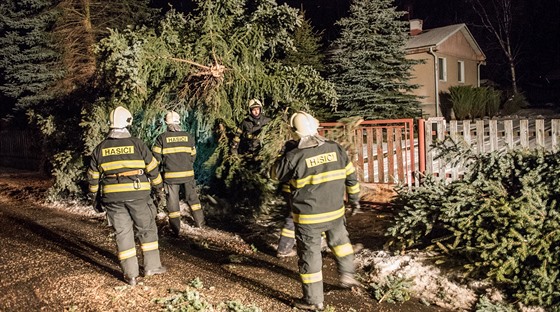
x=246, y=140
x=126, y=171
x=320, y=174
x=175, y=151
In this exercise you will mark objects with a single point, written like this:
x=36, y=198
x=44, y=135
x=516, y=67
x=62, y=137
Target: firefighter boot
x=347, y=280
x=198, y=216
x=304, y=305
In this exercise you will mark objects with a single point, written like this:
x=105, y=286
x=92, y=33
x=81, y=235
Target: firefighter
x=175, y=151
x=126, y=170
x=246, y=141
x=320, y=173
x=287, y=234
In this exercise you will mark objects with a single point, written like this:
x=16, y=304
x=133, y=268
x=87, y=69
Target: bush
x=470, y=102
x=461, y=99
x=502, y=221
x=514, y=104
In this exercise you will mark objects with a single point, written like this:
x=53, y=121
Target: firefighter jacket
x=124, y=169
x=318, y=176
x=175, y=150
x=251, y=127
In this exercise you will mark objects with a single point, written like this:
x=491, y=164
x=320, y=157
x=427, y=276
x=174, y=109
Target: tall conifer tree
x=307, y=43
x=29, y=59
x=367, y=63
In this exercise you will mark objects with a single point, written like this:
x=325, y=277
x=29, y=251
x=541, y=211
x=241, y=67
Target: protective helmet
x=172, y=118
x=120, y=117
x=304, y=124
x=255, y=103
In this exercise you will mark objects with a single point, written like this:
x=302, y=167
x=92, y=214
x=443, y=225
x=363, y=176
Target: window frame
x=461, y=71
x=442, y=69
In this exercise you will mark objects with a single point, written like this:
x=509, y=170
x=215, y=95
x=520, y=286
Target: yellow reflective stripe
x=288, y=233
x=150, y=246
x=350, y=168
x=311, y=277
x=343, y=250
x=156, y=149
x=175, y=214
x=318, y=218
x=152, y=165
x=328, y=176
x=178, y=174
x=180, y=149
x=353, y=189
x=129, y=253
x=126, y=187
x=157, y=180
x=286, y=188
x=94, y=188
x=195, y=207
x=122, y=164
x=93, y=174
x=193, y=152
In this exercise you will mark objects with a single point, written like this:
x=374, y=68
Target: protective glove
x=159, y=196
x=95, y=201
x=355, y=208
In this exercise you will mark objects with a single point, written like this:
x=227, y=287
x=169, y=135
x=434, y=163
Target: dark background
x=536, y=35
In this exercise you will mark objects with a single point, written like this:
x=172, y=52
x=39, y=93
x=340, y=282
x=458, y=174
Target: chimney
x=415, y=27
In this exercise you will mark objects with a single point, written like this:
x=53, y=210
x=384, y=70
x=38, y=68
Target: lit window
x=461, y=71
x=442, y=68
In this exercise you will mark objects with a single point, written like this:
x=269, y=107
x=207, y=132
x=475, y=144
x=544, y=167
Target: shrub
x=514, y=104
x=493, y=99
x=470, y=102
x=502, y=221
x=461, y=99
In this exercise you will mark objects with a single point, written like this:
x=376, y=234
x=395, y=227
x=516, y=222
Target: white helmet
x=255, y=103
x=172, y=118
x=304, y=124
x=120, y=117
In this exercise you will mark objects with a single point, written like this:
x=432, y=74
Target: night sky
x=537, y=30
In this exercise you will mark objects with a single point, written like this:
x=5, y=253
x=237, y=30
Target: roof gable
x=433, y=38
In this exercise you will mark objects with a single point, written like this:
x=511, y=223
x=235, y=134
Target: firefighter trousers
x=173, y=207
x=310, y=261
x=287, y=236
x=135, y=218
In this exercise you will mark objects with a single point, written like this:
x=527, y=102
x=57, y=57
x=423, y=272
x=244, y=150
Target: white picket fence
x=487, y=135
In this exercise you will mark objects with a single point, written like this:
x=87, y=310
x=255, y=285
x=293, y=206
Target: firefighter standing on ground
x=126, y=170
x=175, y=151
x=246, y=141
x=320, y=173
x=287, y=234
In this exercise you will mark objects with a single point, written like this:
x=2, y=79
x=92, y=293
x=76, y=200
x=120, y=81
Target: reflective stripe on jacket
x=176, y=151
x=123, y=155
x=319, y=177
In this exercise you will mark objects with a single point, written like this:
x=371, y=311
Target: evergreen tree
x=207, y=66
x=29, y=57
x=307, y=45
x=367, y=63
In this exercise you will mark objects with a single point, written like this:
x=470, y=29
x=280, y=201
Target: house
x=451, y=57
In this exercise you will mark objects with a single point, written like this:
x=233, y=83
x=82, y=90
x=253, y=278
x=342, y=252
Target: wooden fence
x=486, y=135
x=383, y=150
x=19, y=149
x=393, y=153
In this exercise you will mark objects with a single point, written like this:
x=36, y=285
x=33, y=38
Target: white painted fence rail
x=487, y=135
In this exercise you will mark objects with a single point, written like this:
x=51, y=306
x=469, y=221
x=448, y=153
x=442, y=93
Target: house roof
x=432, y=38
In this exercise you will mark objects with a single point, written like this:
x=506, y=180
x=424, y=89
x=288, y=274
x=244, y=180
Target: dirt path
x=60, y=258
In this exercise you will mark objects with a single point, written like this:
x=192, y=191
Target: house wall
x=455, y=48
x=423, y=76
